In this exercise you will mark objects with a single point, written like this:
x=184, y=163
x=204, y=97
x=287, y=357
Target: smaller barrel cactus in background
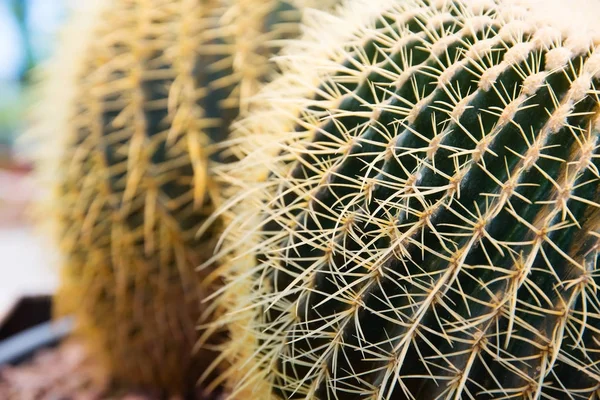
x=417, y=213
x=133, y=103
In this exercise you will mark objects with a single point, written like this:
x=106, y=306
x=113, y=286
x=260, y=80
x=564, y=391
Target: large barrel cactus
x=418, y=211
x=133, y=103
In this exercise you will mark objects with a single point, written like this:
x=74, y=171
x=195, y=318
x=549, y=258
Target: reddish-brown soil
x=67, y=373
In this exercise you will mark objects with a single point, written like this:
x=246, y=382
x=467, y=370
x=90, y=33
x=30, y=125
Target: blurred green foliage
x=27, y=37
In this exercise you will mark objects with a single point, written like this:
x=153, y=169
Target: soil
x=66, y=372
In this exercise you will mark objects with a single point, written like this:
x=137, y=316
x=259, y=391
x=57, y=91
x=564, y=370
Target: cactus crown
x=427, y=222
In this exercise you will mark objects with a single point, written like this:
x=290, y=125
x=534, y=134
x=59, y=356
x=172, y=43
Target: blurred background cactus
x=127, y=181
x=134, y=105
x=418, y=207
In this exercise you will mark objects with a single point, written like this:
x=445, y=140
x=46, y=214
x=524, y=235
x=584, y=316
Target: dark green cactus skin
x=438, y=236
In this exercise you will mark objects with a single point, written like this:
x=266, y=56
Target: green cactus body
x=426, y=220
x=133, y=103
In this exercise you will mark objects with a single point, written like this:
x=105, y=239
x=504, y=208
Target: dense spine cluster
x=417, y=215
x=134, y=103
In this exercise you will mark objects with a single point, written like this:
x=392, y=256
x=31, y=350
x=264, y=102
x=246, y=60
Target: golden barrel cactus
x=417, y=213
x=133, y=104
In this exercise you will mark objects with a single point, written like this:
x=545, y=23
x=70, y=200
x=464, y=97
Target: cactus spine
x=418, y=210
x=147, y=86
